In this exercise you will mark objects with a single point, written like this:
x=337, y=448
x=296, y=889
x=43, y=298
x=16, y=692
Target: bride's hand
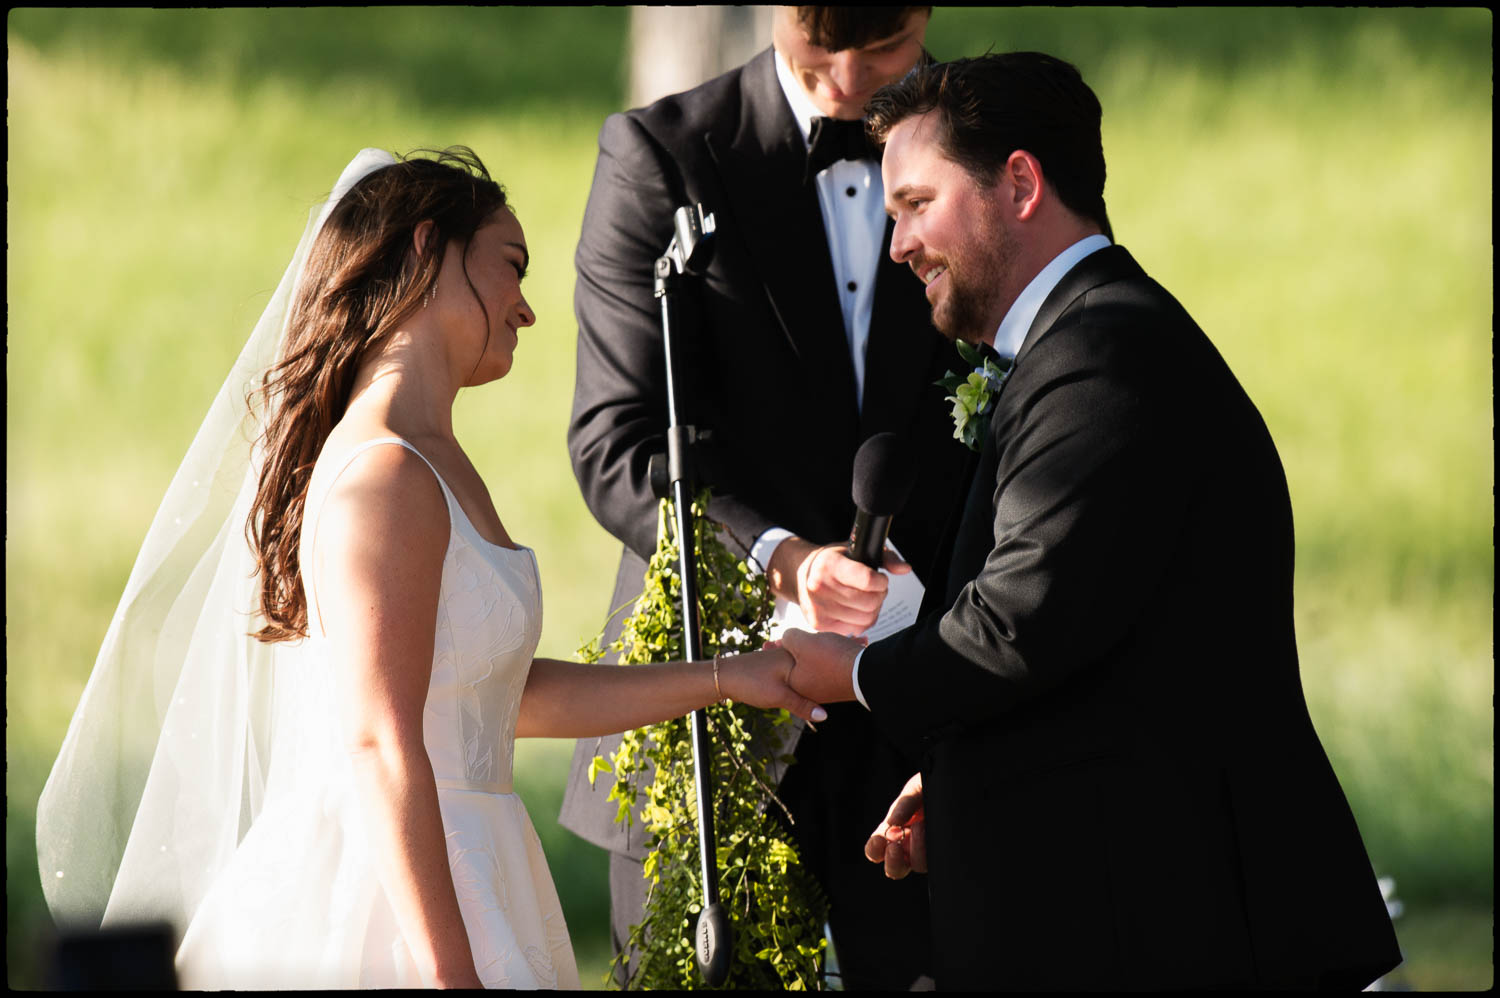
x=762, y=679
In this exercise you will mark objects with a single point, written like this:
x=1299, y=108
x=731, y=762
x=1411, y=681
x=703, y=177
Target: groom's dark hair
x=991, y=105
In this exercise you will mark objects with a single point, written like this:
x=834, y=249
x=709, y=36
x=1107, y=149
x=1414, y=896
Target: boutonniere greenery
x=973, y=395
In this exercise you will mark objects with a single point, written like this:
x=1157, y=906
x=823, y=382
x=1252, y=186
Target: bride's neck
x=406, y=386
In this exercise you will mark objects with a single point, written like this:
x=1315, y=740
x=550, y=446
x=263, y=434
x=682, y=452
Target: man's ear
x=1026, y=184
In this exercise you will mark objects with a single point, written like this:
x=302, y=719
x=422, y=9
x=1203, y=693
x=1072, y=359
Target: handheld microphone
x=884, y=473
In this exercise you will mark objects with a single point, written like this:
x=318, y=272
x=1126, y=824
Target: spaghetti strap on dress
x=300, y=904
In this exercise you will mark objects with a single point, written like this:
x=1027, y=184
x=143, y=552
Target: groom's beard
x=968, y=308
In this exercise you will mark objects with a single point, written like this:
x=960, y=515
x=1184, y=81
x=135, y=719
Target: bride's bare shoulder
x=368, y=488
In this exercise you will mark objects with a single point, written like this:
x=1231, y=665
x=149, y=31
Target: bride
x=296, y=744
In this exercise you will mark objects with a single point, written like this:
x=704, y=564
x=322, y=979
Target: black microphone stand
x=686, y=258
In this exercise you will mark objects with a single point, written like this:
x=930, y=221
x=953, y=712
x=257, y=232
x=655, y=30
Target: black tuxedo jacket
x=766, y=369
x=1123, y=786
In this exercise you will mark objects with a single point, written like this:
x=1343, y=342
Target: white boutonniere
x=973, y=395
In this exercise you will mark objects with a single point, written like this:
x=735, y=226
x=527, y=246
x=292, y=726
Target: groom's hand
x=825, y=664
x=901, y=840
x=835, y=592
x=763, y=679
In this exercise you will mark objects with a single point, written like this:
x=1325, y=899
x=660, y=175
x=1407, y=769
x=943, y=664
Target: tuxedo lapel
x=975, y=534
x=781, y=225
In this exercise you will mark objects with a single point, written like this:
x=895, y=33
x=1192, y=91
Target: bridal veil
x=165, y=763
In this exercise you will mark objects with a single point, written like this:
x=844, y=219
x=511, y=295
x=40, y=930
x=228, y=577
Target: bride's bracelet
x=718, y=692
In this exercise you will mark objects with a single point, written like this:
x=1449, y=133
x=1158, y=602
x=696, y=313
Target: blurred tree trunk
x=676, y=48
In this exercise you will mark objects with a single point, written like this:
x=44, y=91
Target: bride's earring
x=431, y=294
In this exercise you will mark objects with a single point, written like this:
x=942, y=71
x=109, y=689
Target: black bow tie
x=833, y=139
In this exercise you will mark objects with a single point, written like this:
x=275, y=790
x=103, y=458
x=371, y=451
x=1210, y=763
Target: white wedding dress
x=300, y=904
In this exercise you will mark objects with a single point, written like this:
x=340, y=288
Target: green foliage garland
x=775, y=906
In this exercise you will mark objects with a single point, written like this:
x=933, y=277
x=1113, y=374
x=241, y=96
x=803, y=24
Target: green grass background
x=1314, y=185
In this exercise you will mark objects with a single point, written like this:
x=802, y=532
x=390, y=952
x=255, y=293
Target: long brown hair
x=362, y=279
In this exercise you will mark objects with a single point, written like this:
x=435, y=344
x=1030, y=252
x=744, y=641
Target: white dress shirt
x=1017, y=323
x=852, y=198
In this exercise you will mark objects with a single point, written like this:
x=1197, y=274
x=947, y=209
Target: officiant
x=808, y=340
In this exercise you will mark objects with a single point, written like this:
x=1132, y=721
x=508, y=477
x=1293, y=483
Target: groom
x=1120, y=784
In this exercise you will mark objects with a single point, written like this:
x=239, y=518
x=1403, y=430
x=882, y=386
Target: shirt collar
x=1017, y=321
x=803, y=109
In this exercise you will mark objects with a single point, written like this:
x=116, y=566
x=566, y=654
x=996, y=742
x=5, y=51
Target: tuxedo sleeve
x=1088, y=496
x=620, y=397
x=619, y=416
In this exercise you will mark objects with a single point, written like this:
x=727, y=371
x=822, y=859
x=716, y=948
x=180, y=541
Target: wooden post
x=673, y=49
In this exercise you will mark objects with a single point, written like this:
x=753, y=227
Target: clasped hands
x=839, y=596
x=798, y=673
